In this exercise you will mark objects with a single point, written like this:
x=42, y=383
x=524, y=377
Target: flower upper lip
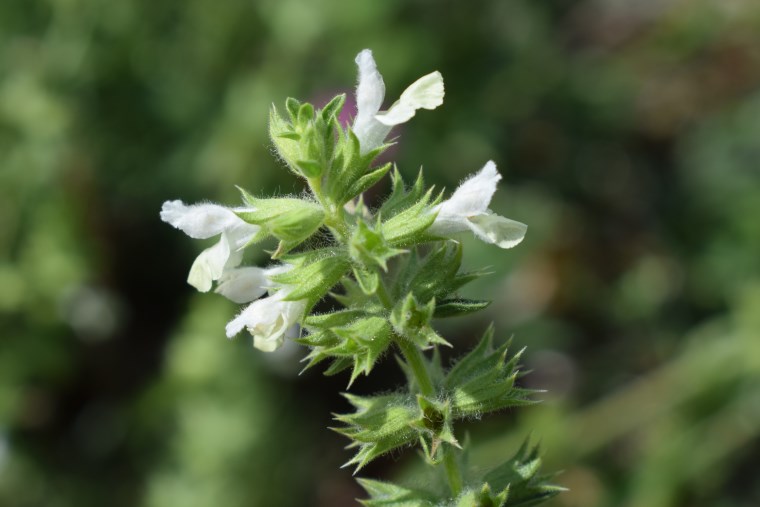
x=372, y=126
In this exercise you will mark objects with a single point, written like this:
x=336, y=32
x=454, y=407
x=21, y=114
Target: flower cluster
x=394, y=270
x=269, y=319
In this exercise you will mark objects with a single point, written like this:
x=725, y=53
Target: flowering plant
x=393, y=269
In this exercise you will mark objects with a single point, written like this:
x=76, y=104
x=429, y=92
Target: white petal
x=199, y=221
x=369, y=97
x=269, y=343
x=449, y=225
x=426, y=93
x=241, y=233
x=473, y=195
x=209, y=265
x=249, y=315
x=243, y=285
x=268, y=320
x=498, y=230
x=371, y=89
x=260, y=314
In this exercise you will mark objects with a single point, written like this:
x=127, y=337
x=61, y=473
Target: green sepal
x=333, y=108
x=307, y=141
x=457, y=307
x=285, y=135
x=368, y=247
x=369, y=338
x=521, y=476
x=348, y=167
x=386, y=494
x=337, y=366
x=402, y=198
x=330, y=320
x=434, y=275
x=309, y=168
x=367, y=181
x=368, y=281
x=292, y=106
x=483, y=497
x=312, y=280
x=408, y=227
x=435, y=427
x=484, y=380
x=289, y=134
x=288, y=219
x=411, y=319
x=489, y=498
x=356, y=335
x=353, y=294
x=379, y=425
x=305, y=113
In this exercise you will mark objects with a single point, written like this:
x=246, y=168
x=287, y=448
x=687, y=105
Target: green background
x=629, y=137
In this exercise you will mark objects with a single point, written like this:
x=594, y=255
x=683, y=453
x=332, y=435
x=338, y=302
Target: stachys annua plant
x=393, y=270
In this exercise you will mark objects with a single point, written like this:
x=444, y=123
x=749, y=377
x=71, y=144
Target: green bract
x=392, y=271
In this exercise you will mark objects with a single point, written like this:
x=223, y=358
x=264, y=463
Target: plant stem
x=453, y=474
x=416, y=362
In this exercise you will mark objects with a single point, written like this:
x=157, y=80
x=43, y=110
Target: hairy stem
x=414, y=359
x=453, y=473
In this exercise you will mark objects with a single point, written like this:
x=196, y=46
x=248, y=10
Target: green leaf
x=458, y=307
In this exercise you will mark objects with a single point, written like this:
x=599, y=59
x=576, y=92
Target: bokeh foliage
x=629, y=133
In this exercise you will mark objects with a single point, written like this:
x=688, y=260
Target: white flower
x=268, y=319
x=467, y=210
x=203, y=221
x=243, y=285
x=372, y=126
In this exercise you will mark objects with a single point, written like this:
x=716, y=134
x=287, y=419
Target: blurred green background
x=629, y=136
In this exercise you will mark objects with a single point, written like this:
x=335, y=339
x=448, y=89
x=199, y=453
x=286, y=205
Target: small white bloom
x=203, y=221
x=372, y=126
x=243, y=285
x=268, y=319
x=467, y=210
